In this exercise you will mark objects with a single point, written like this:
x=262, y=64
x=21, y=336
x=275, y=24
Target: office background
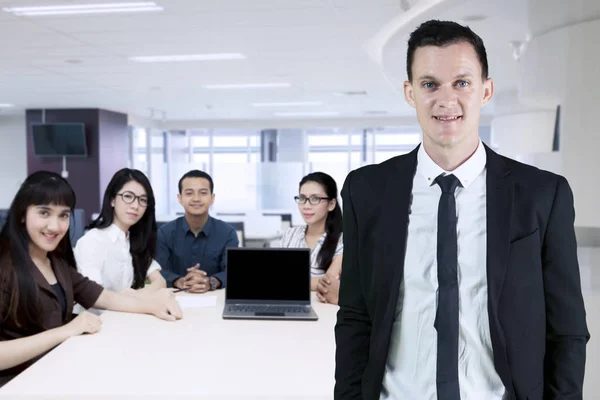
x=259, y=93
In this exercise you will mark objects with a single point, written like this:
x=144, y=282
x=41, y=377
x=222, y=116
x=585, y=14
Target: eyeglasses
x=129, y=197
x=314, y=200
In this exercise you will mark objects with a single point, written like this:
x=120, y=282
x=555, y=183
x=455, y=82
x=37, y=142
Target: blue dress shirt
x=179, y=249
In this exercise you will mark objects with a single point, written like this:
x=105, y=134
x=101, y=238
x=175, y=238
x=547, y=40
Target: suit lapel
x=499, y=199
x=396, y=207
x=388, y=269
x=499, y=212
x=61, y=278
x=40, y=280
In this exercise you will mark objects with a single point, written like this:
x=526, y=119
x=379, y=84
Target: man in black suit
x=461, y=278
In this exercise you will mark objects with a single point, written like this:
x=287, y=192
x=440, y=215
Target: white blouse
x=295, y=237
x=103, y=256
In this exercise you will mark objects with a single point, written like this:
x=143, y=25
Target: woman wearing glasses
x=318, y=204
x=39, y=281
x=119, y=249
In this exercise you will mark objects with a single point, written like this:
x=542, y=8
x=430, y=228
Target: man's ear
x=409, y=94
x=488, y=91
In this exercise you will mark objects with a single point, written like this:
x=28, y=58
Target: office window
x=140, y=157
x=200, y=141
x=328, y=140
x=140, y=162
x=230, y=141
x=381, y=156
x=328, y=157
x=139, y=138
x=230, y=158
x=157, y=140
x=334, y=164
x=201, y=158
x=355, y=160
x=356, y=140
x=397, y=139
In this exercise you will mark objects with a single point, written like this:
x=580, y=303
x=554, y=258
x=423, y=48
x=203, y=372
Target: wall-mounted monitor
x=59, y=140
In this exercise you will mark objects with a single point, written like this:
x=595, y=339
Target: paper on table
x=197, y=301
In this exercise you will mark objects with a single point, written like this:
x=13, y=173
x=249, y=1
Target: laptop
x=268, y=283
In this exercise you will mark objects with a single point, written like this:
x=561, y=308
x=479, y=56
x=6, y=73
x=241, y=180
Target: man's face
x=195, y=196
x=448, y=93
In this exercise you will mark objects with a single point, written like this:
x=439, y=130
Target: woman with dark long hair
x=39, y=281
x=318, y=203
x=118, y=250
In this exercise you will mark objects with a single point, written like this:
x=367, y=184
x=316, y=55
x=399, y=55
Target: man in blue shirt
x=191, y=249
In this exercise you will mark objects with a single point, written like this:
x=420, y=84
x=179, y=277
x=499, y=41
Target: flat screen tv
x=59, y=140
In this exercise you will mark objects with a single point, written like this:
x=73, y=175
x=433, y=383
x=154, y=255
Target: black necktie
x=446, y=318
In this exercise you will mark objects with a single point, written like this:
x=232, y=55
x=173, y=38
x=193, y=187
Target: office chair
x=239, y=229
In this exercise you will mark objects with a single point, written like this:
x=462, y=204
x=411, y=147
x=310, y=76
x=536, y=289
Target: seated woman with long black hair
x=322, y=234
x=39, y=280
x=119, y=249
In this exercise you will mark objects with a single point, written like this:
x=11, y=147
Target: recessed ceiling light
x=307, y=114
x=5, y=105
x=248, y=86
x=73, y=61
x=289, y=104
x=351, y=93
x=376, y=112
x=84, y=9
x=189, y=57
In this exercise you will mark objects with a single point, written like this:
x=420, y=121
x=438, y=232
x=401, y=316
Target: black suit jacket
x=535, y=305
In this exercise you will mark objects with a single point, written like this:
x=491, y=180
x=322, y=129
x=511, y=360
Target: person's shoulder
x=530, y=175
x=91, y=237
x=533, y=183
x=222, y=226
x=290, y=233
x=170, y=226
x=61, y=263
x=294, y=231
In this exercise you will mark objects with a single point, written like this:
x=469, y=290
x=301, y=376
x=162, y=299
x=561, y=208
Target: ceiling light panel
x=307, y=114
x=76, y=9
x=248, y=86
x=289, y=104
x=189, y=57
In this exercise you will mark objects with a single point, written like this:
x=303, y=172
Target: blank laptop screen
x=268, y=274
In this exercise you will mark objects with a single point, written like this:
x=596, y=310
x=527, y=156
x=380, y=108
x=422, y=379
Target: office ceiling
x=317, y=46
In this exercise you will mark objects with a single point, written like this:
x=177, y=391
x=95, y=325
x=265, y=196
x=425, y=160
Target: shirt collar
x=207, y=228
x=466, y=173
x=115, y=233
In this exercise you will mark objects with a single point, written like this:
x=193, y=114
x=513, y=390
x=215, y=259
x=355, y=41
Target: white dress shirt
x=103, y=256
x=295, y=238
x=411, y=365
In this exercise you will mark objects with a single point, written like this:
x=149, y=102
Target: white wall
x=523, y=132
x=13, y=156
x=568, y=80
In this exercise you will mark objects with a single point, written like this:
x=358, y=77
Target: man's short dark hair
x=441, y=34
x=195, y=173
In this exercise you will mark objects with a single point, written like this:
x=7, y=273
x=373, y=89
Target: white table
x=201, y=356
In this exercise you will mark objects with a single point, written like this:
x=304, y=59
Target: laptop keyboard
x=260, y=309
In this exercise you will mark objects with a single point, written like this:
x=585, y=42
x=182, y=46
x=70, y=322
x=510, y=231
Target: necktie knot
x=448, y=183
